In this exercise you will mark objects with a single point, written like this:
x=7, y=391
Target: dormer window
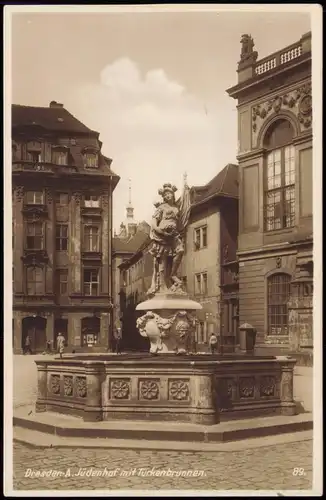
x=90, y=159
x=60, y=156
x=92, y=201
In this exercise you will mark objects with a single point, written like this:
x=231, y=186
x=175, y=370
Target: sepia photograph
x=163, y=278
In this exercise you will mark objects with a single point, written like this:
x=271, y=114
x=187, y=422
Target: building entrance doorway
x=90, y=329
x=60, y=326
x=35, y=328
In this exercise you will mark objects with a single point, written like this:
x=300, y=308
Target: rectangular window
x=61, y=237
x=279, y=196
x=60, y=157
x=200, y=237
x=34, y=198
x=62, y=281
x=91, y=160
x=62, y=199
x=92, y=201
x=278, y=297
x=200, y=332
x=34, y=281
x=35, y=236
x=91, y=282
x=91, y=239
x=201, y=287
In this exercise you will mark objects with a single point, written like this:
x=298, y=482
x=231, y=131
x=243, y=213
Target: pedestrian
x=27, y=346
x=118, y=340
x=60, y=344
x=213, y=342
x=48, y=346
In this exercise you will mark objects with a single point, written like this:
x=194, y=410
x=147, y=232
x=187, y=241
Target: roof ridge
x=223, y=182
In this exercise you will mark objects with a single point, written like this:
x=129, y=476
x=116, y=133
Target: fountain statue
x=172, y=326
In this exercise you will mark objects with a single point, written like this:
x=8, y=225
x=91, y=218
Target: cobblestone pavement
x=266, y=468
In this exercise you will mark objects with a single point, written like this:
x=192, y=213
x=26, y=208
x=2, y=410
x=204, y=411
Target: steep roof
x=130, y=245
x=55, y=118
x=224, y=184
x=135, y=256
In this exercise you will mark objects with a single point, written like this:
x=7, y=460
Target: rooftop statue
x=168, y=227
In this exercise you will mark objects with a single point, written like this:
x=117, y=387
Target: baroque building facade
x=209, y=268
x=275, y=244
x=62, y=188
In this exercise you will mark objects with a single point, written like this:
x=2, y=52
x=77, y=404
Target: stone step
x=66, y=426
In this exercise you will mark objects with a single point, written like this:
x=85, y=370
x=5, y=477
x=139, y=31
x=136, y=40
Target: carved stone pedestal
x=198, y=389
x=169, y=322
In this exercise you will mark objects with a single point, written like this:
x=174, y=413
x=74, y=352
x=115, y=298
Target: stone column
x=41, y=386
x=74, y=329
x=19, y=239
x=105, y=245
x=75, y=248
x=207, y=412
x=93, y=407
x=17, y=333
x=287, y=403
x=104, y=330
x=50, y=241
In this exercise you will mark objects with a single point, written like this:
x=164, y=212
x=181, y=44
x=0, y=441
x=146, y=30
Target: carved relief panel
x=297, y=101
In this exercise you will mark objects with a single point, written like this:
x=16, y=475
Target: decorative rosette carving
x=179, y=390
x=149, y=389
x=120, y=389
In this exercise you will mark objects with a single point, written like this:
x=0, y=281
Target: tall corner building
x=275, y=242
x=62, y=188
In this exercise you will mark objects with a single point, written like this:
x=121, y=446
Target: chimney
x=55, y=104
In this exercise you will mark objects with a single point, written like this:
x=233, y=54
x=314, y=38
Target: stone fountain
x=169, y=383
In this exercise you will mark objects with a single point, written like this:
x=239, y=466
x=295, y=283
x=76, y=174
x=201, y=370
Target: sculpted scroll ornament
x=19, y=193
x=68, y=386
x=158, y=331
x=77, y=197
x=55, y=384
x=81, y=387
x=154, y=327
x=246, y=387
x=267, y=386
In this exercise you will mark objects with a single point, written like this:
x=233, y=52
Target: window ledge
x=286, y=230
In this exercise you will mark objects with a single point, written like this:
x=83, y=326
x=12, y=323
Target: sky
x=152, y=84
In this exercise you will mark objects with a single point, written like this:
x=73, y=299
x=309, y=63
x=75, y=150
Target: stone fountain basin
x=201, y=388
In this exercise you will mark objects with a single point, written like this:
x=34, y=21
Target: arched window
x=279, y=176
x=278, y=294
x=34, y=281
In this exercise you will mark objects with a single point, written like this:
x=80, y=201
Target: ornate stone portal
x=169, y=321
